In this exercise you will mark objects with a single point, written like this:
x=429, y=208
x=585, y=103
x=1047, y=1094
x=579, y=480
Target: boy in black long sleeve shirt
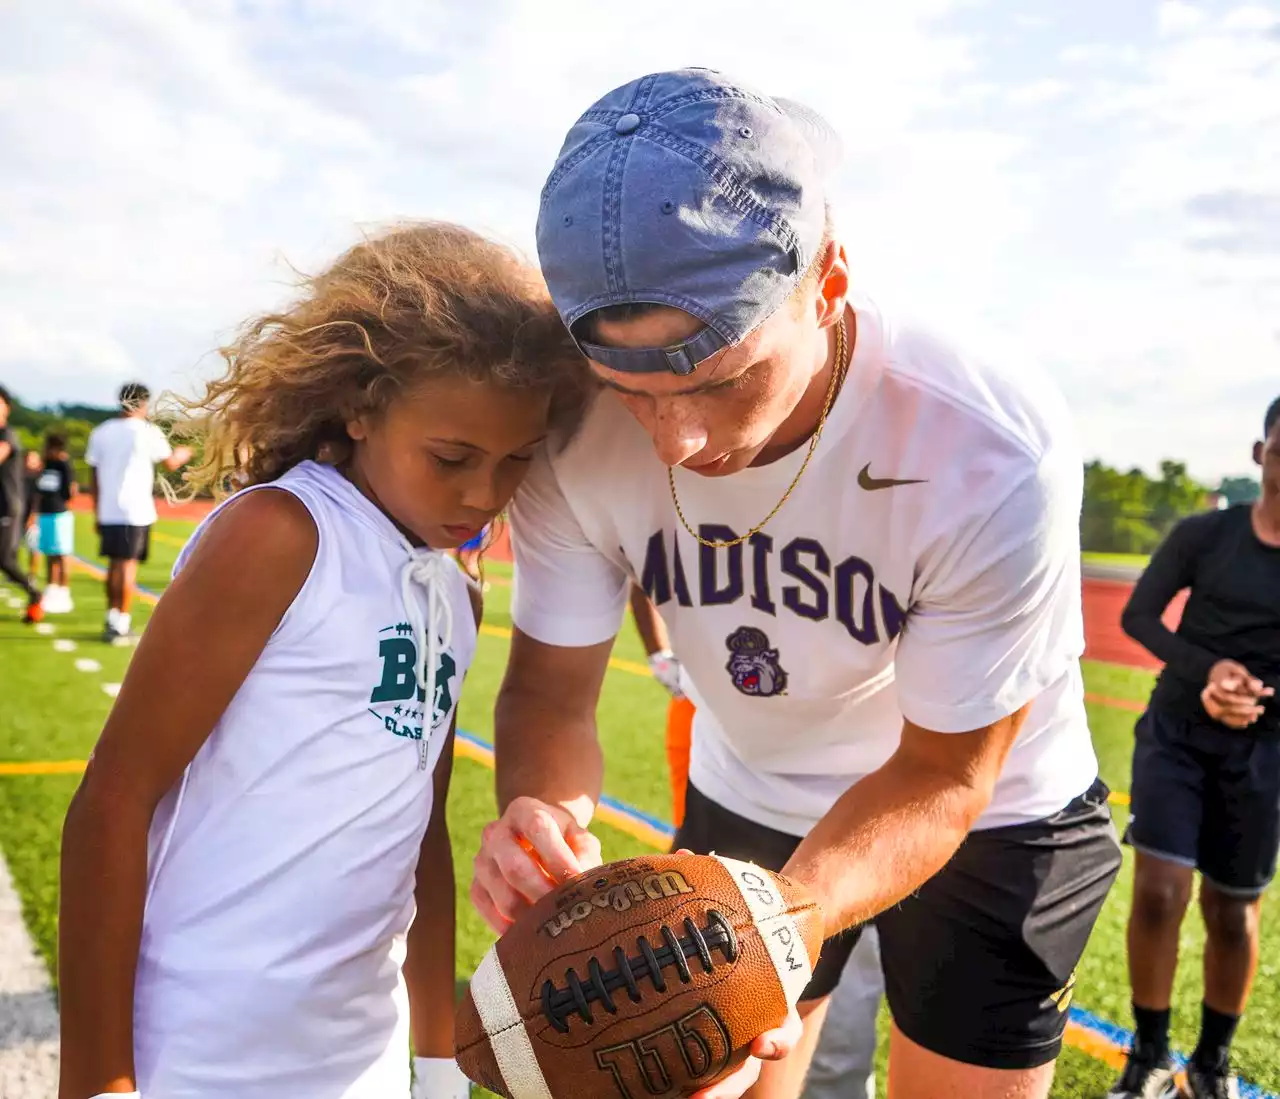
x=1206, y=774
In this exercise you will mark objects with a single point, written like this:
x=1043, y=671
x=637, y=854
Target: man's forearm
x=429, y=963
x=104, y=873
x=543, y=753
x=884, y=838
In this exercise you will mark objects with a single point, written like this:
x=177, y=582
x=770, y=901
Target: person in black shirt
x=1206, y=774
x=55, y=488
x=12, y=509
x=33, y=466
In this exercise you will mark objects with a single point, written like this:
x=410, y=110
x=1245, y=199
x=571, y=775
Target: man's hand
x=772, y=1045
x=666, y=670
x=1233, y=696
x=524, y=855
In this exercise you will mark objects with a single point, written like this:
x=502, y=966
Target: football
x=647, y=977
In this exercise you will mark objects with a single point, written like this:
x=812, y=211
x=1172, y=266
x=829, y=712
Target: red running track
x=1103, y=599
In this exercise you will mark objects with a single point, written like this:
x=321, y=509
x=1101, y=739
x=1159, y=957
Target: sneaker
x=1211, y=1083
x=35, y=612
x=114, y=635
x=1146, y=1078
x=57, y=600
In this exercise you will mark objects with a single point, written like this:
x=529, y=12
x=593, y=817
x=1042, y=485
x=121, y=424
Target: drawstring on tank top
x=432, y=635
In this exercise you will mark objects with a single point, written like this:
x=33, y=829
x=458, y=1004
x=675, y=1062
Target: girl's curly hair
x=420, y=300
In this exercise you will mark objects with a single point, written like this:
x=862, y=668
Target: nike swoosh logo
x=873, y=484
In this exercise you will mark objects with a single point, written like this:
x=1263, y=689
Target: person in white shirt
x=865, y=544
x=257, y=879
x=122, y=454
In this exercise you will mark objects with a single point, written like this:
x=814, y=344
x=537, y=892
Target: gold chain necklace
x=838, y=372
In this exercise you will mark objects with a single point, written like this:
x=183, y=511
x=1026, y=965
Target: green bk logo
x=400, y=700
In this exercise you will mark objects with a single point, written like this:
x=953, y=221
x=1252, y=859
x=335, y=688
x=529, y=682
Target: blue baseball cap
x=687, y=189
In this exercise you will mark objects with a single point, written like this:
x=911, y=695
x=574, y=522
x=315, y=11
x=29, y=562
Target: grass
x=54, y=711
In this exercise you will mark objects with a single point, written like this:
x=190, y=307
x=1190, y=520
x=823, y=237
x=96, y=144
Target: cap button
x=627, y=124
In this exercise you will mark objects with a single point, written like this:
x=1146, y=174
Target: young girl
x=266, y=805
x=54, y=489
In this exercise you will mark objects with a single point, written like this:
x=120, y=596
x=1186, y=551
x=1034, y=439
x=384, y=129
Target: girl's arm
x=205, y=636
x=429, y=955
x=430, y=960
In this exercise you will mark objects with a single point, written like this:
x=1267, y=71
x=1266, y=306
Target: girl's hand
x=526, y=854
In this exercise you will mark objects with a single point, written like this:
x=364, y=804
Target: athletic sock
x=123, y=622
x=1213, y=1051
x=1152, y=1032
x=113, y=619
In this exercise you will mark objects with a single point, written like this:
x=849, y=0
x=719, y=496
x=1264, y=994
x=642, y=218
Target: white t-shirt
x=124, y=453
x=953, y=601
x=281, y=870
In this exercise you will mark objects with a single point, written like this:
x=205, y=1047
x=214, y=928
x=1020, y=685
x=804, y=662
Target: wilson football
x=648, y=977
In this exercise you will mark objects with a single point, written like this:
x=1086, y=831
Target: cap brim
x=827, y=147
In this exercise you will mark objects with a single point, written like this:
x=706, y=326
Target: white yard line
x=44, y=629
x=64, y=645
x=112, y=689
x=85, y=664
x=28, y=1017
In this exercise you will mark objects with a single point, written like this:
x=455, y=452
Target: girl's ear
x=358, y=428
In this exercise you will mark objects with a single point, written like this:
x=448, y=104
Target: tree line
x=1124, y=511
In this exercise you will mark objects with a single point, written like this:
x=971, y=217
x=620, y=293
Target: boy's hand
x=666, y=670
x=1233, y=696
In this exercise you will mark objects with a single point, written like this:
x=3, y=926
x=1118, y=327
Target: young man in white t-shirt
x=122, y=454
x=865, y=545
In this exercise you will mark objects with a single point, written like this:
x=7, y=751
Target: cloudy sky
x=1093, y=183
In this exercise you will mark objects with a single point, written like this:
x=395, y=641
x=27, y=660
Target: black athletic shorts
x=979, y=963
x=123, y=543
x=1207, y=797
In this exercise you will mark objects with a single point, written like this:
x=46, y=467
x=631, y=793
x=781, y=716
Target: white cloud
x=1046, y=90
x=162, y=160
x=1251, y=17
x=1177, y=17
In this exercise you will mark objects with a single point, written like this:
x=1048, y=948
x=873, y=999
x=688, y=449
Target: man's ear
x=1257, y=453
x=833, y=284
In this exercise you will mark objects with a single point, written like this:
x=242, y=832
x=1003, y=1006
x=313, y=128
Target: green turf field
x=53, y=711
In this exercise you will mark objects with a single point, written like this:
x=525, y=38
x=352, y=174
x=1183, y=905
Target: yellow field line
x=631, y=667
x=1095, y=1045
x=615, y=662
x=1081, y=1038
x=44, y=767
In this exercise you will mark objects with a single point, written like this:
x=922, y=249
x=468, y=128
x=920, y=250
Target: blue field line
x=99, y=571
x=1122, y=1039
x=630, y=811
x=1113, y=1035
x=620, y=807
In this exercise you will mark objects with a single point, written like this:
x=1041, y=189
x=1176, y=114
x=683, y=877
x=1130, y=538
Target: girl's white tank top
x=281, y=868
